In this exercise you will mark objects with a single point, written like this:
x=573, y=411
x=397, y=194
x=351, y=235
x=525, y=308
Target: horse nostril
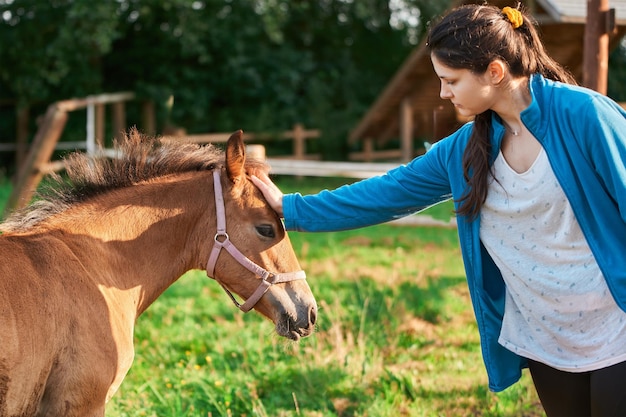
x=313, y=315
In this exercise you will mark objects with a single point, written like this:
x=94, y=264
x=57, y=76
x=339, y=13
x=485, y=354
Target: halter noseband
x=222, y=240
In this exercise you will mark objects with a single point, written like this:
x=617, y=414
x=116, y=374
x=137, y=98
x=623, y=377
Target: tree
x=617, y=72
x=258, y=65
x=51, y=50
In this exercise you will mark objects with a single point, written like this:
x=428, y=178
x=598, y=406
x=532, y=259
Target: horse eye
x=266, y=230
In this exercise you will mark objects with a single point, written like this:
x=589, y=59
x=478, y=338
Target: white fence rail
x=328, y=168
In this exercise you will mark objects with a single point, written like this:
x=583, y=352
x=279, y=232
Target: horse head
x=268, y=275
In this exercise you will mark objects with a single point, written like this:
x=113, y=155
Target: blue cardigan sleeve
x=402, y=191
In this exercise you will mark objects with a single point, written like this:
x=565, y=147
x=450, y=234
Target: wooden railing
x=298, y=135
x=37, y=161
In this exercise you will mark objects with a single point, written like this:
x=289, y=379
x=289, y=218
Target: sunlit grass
x=396, y=336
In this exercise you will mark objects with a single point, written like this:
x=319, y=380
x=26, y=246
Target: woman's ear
x=496, y=71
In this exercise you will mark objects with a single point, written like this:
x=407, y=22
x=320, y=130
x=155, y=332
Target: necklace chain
x=511, y=131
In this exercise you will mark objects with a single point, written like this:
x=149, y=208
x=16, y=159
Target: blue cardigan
x=584, y=136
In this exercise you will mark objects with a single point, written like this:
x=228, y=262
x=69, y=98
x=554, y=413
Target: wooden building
x=409, y=110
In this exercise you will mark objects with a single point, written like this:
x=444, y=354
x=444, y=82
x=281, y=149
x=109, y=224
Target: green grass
x=396, y=336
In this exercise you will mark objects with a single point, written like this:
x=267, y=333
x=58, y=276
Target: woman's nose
x=445, y=92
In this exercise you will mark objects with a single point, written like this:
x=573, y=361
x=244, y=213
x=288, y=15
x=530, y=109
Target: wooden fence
x=328, y=168
x=298, y=135
x=37, y=161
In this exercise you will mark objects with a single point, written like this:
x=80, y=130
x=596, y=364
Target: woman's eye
x=266, y=230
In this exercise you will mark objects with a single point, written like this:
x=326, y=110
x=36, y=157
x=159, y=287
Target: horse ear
x=235, y=157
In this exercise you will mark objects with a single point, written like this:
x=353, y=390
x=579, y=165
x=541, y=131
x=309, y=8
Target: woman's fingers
x=270, y=191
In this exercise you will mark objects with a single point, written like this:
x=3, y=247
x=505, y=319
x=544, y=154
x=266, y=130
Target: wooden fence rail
x=299, y=135
x=328, y=168
x=37, y=161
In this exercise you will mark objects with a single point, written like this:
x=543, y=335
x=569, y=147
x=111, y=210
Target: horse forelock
x=139, y=158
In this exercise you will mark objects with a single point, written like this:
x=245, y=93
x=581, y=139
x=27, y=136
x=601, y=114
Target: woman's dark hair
x=471, y=37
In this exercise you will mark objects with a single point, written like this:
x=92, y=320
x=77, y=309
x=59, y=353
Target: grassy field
x=395, y=337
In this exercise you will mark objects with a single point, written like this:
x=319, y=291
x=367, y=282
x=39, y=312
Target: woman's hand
x=270, y=191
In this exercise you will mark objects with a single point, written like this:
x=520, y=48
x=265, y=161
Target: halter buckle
x=223, y=235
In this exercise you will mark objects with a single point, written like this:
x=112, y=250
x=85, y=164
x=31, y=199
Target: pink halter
x=223, y=241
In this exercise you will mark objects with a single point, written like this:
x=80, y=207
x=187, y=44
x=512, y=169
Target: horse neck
x=141, y=239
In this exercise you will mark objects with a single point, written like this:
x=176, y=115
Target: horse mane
x=138, y=158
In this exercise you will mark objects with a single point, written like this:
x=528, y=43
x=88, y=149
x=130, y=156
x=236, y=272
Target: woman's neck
x=515, y=98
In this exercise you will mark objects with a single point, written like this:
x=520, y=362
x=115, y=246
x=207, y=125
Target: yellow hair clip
x=514, y=16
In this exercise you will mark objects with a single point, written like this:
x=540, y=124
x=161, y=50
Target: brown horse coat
x=80, y=267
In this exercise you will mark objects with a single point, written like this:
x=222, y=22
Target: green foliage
x=617, y=73
x=257, y=65
x=5, y=191
x=51, y=50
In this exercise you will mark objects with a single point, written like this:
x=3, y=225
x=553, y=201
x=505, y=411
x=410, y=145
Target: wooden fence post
x=31, y=171
x=368, y=149
x=599, y=24
x=255, y=152
x=119, y=119
x=99, y=124
x=298, y=141
x=21, y=145
x=406, y=129
x=148, y=117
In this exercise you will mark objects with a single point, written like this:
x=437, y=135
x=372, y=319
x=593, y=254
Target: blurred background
x=214, y=65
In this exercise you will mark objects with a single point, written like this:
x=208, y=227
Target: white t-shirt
x=558, y=308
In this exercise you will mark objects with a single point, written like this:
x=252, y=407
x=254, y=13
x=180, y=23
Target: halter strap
x=222, y=240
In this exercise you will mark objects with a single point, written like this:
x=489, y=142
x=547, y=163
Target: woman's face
x=471, y=94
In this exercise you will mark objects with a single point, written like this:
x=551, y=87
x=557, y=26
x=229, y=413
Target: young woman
x=539, y=184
